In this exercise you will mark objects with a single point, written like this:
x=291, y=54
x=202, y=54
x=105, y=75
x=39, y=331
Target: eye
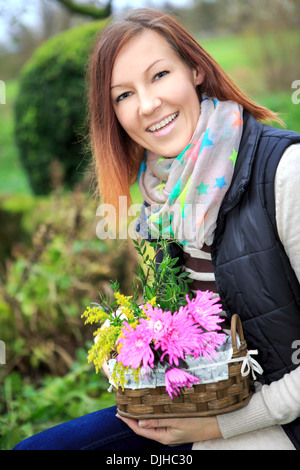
x=160, y=75
x=123, y=96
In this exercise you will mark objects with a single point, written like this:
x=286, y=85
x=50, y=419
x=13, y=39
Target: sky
x=28, y=11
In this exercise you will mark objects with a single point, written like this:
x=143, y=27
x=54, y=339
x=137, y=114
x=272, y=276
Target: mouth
x=163, y=123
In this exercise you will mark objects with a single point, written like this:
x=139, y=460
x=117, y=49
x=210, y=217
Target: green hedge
x=51, y=108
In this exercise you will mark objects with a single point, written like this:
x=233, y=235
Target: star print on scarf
x=185, y=193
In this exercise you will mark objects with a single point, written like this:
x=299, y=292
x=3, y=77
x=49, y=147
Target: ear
x=198, y=76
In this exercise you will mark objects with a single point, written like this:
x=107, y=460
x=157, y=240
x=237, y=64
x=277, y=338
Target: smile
x=165, y=122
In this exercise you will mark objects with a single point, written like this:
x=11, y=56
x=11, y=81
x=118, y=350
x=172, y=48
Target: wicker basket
x=201, y=400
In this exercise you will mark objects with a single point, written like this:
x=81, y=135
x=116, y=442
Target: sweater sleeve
x=279, y=402
x=287, y=200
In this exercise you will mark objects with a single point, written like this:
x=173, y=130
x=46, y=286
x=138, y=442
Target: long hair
x=116, y=156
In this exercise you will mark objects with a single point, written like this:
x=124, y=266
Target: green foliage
x=164, y=281
x=27, y=408
x=50, y=108
x=287, y=110
x=55, y=266
x=52, y=275
x=88, y=10
x=13, y=177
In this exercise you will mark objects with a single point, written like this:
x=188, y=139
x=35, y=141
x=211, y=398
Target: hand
x=106, y=369
x=172, y=431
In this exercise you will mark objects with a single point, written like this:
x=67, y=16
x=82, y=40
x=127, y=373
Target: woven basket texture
x=201, y=400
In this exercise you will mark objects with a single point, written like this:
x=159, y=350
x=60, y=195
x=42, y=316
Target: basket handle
x=236, y=326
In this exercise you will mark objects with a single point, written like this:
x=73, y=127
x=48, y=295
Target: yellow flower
x=94, y=315
x=103, y=346
x=152, y=302
x=128, y=313
x=118, y=374
x=122, y=300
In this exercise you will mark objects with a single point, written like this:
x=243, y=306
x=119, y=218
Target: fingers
x=156, y=423
x=150, y=423
x=132, y=423
x=159, y=434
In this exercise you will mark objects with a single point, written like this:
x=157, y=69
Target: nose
x=148, y=103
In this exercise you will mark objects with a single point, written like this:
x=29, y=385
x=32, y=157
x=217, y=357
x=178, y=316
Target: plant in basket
x=158, y=330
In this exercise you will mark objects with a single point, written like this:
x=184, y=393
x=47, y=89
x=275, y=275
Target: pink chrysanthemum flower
x=204, y=309
x=177, y=378
x=158, y=321
x=208, y=343
x=181, y=336
x=135, y=346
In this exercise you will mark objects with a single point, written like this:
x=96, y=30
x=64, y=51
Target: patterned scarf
x=185, y=192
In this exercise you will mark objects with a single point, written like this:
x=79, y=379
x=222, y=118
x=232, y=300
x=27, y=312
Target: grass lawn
x=230, y=53
x=13, y=178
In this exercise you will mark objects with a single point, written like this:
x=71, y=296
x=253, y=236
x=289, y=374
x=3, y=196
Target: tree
x=88, y=10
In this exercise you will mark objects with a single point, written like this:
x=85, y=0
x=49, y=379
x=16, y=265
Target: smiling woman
x=225, y=188
x=145, y=69
x=157, y=96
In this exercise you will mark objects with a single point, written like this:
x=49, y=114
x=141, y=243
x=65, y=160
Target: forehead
x=140, y=52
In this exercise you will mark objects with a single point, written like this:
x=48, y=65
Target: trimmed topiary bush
x=50, y=108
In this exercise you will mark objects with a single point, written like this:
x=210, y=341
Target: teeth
x=162, y=123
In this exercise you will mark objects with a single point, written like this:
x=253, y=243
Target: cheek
x=124, y=115
x=188, y=95
x=182, y=93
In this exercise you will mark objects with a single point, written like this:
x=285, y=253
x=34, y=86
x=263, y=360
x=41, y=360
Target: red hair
x=116, y=157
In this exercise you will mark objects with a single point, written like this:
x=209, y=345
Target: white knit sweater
x=258, y=425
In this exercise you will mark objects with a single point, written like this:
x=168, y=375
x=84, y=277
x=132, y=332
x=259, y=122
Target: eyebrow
x=147, y=70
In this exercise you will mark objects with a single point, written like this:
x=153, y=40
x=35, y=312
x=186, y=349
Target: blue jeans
x=100, y=430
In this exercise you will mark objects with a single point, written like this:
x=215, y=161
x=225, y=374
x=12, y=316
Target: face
x=154, y=94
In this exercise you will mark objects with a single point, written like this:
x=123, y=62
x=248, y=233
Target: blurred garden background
x=52, y=264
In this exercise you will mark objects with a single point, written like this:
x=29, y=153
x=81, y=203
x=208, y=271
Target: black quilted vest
x=253, y=273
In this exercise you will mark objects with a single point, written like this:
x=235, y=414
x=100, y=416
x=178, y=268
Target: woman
x=226, y=187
